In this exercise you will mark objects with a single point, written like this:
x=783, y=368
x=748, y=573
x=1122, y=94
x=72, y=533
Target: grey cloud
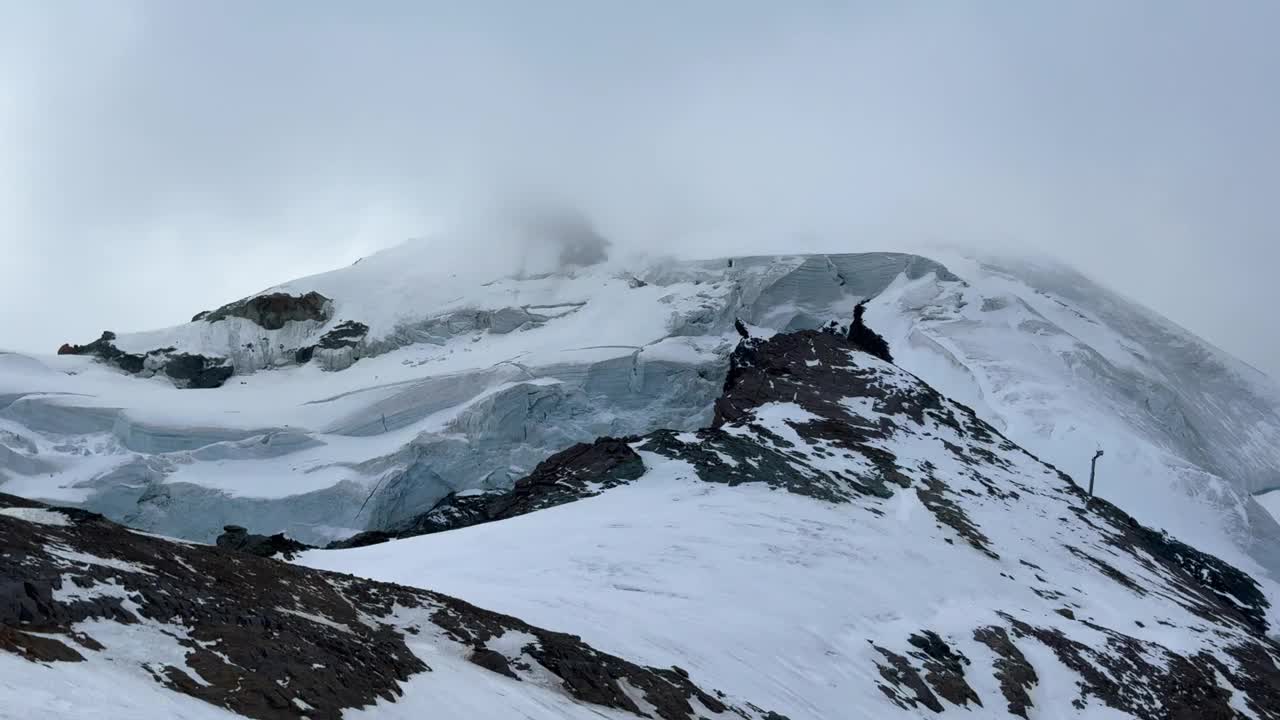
x=162, y=157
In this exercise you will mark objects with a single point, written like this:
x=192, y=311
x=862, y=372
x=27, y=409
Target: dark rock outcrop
x=346, y=335
x=276, y=641
x=866, y=339
x=273, y=310
x=239, y=539
x=185, y=369
x=1012, y=671
x=835, y=328
x=583, y=470
x=104, y=348
x=1144, y=680
x=197, y=371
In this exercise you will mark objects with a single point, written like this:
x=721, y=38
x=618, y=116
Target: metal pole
x=1093, y=470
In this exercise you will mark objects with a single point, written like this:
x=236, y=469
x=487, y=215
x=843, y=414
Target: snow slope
x=1065, y=367
x=467, y=380
x=97, y=621
x=1270, y=502
x=838, y=513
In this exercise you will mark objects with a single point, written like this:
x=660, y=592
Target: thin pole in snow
x=1093, y=470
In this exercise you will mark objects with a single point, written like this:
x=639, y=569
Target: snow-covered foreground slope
x=844, y=542
x=100, y=621
x=463, y=379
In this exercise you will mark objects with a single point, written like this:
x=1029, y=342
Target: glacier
x=465, y=379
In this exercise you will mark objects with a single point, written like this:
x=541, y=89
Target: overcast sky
x=159, y=158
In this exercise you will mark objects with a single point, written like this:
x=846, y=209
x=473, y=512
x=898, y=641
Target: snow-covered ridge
x=856, y=545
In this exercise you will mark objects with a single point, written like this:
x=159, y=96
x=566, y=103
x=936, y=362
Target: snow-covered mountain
x=839, y=541
x=356, y=399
